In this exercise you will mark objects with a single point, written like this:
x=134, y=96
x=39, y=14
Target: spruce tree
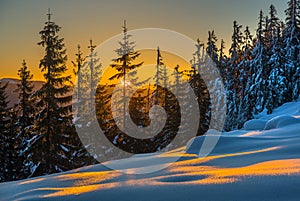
x=79, y=78
x=273, y=22
x=291, y=48
x=94, y=65
x=277, y=82
x=26, y=115
x=165, y=78
x=257, y=83
x=9, y=169
x=222, y=63
x=14, y=164
x=185, y=94
x=84, y=104
x=51, y=145
x=25, y=89
x=245, y=107
x=4, y=134
x=292, y=18
x=232, y=87
x=211, y=48
x=244, y=65
x=158, y=77
x=88, y=73
x=199, y=86
x=125, y=67
x=138, y=109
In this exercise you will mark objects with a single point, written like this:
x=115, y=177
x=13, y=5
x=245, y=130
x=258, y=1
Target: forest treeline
x=38, y=136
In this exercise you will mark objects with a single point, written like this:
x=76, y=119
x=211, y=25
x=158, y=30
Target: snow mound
x=244, y=165
x=281, y=121
x=255, y=124
x=194, y=145
x=291, y=108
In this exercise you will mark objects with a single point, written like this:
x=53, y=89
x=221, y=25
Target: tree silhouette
x=50, y=145
x=125, y=66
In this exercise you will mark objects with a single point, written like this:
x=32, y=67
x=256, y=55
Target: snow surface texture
x=259, y=162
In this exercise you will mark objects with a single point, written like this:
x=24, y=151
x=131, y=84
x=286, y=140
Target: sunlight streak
x=210, y=158
x=253, y=133
x=218, y=175
x=75, y=190
x=88, y=178
x=31, y=181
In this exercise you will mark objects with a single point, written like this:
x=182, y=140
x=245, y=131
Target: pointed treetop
x=193, y=60
x=199, y=43
x=159, y=57
x=91, y=46
x=79, y=61
x=49, y=15
x=79, y=51
x=222, y=43
x=24, y=62
x=176, y=68
x=125, y=27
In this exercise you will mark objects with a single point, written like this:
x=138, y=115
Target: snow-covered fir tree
x=125, y=66
x=27, y=113
x=9, y=169
x=51, y=144
x=291, y=35
x=84, y=103
x=222, y=62
x=95, y=72
x=199, y=86
x=277, y=82
x=212, y=49
x=233, y=73
x=158, y=77
x=245, y=108
x=25, y=89
x=77, y=70
x=4, y=137
x=257, y=85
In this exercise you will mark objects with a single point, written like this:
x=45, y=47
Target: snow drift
x=259, y=162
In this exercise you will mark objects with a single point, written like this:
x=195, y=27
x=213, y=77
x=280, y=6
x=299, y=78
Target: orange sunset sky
x=99, y=20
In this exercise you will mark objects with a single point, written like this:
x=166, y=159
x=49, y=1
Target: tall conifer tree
x=50, y=146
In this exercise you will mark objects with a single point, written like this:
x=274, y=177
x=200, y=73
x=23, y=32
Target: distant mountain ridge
x=11, y=90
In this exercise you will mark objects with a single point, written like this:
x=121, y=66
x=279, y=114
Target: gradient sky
x=21, y=21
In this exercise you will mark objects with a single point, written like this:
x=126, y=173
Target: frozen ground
x=261, y=162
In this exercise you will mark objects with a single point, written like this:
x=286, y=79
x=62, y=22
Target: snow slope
x=260, y=162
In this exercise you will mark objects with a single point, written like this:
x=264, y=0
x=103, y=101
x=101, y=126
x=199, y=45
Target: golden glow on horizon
x=100, y=26
x=148, y=57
